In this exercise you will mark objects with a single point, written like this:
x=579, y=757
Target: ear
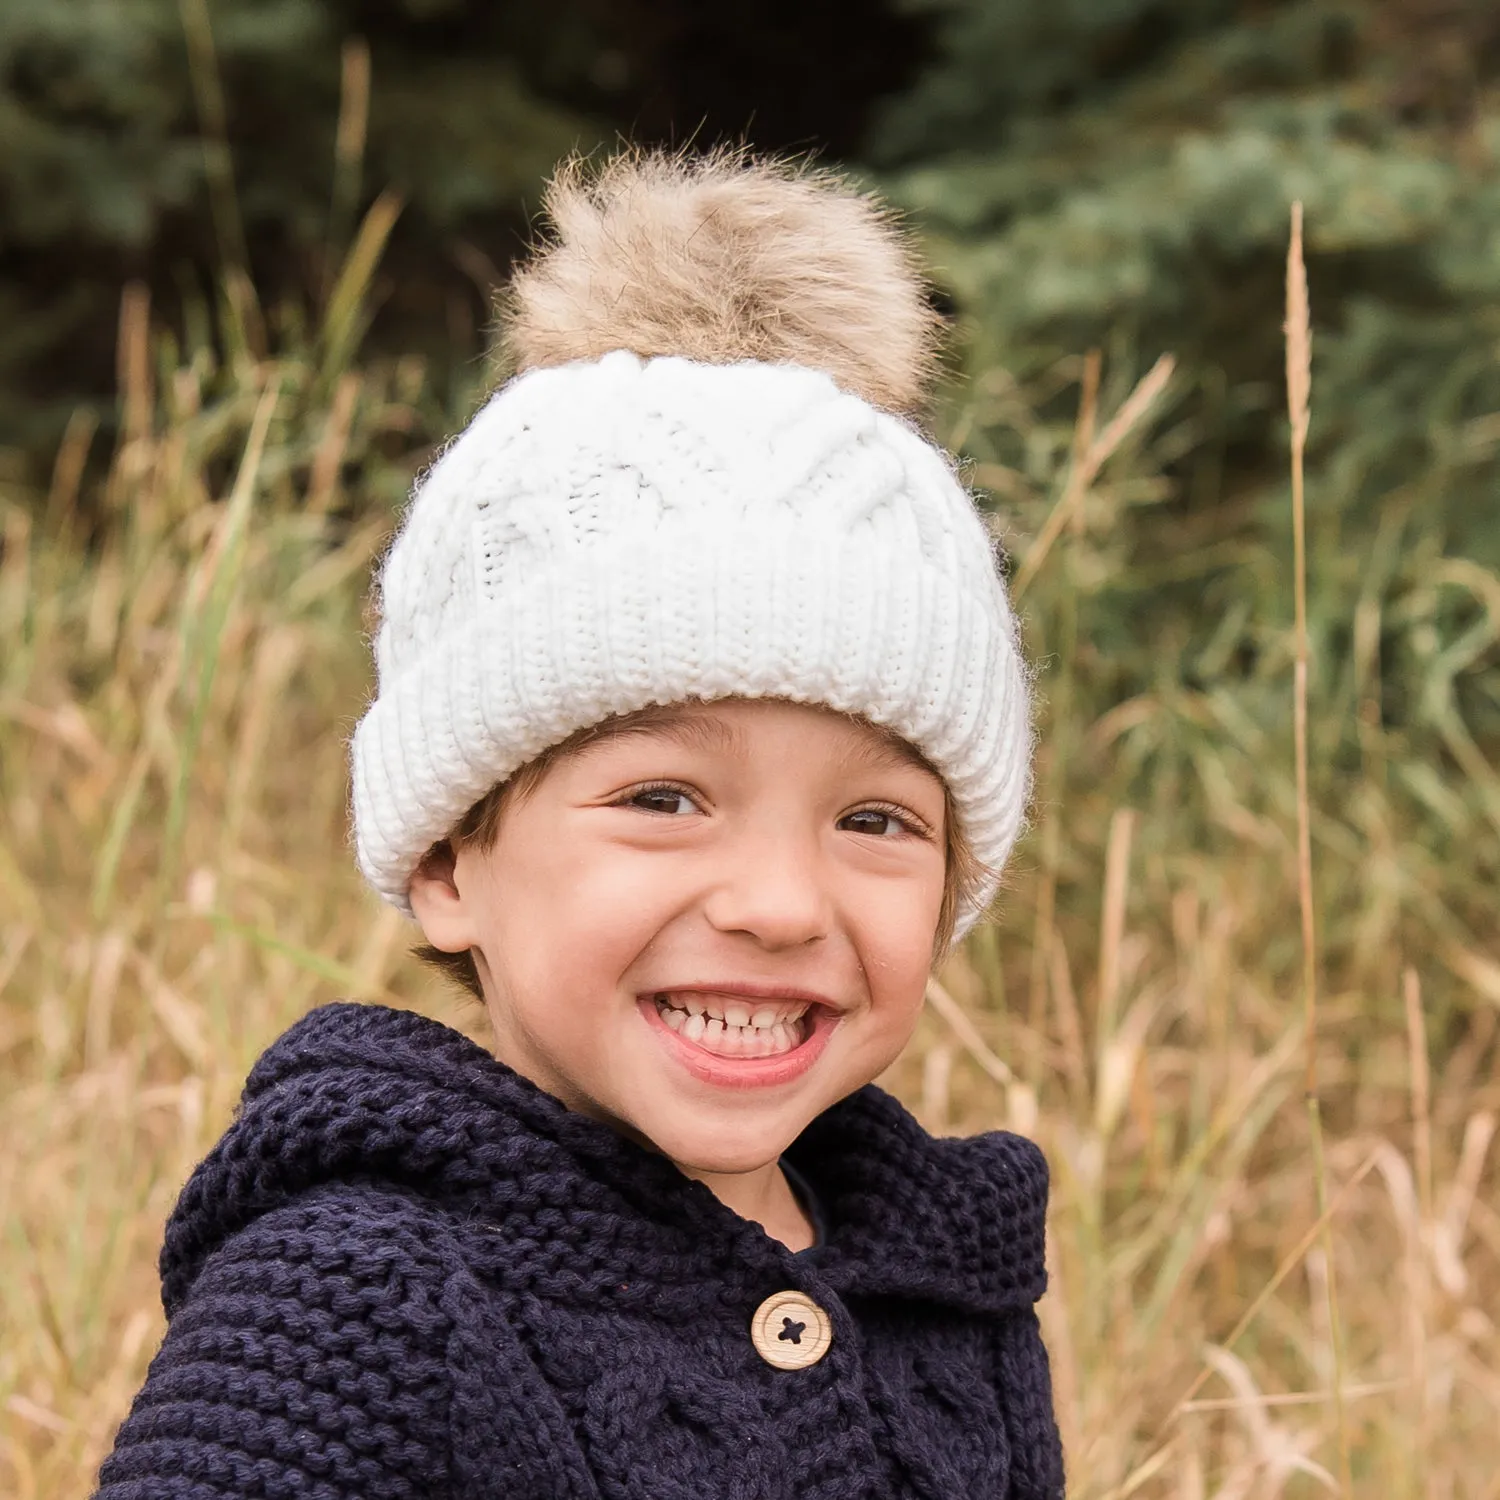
x=437, y=902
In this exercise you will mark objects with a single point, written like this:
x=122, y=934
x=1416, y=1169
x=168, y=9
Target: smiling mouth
x=730, y=1026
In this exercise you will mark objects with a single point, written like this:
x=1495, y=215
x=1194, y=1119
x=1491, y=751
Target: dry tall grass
x=180, y=659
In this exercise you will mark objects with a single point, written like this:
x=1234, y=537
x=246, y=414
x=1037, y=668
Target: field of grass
x=182, y=657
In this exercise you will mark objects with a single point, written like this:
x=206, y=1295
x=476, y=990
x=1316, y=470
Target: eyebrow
x=890, y=751
x=886, y=750
x=690, y=731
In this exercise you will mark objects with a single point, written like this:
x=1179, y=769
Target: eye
x=882, y=822
x=665, y=799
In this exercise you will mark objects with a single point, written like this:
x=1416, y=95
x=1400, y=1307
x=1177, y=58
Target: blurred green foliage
x=175, y=140
x=1118, y=174
x=124, y=122
x=1090, y=168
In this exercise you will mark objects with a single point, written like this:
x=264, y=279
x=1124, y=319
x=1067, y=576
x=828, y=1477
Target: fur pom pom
x=724, y=257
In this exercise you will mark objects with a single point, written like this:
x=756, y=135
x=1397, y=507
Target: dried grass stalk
x=1299, y=393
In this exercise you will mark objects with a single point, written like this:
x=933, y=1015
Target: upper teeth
x=734, y=1012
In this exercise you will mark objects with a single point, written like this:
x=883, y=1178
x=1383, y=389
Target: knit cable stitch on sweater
x=405, y=1271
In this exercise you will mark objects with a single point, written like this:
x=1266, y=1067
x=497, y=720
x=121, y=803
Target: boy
x=701, y=734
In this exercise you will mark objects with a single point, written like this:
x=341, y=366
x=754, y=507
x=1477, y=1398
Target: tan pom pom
x=724, y=257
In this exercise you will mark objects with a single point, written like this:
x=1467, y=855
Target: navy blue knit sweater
x=407, y=1271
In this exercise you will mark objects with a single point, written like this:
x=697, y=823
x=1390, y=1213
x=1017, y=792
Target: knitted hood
x=367, y=1094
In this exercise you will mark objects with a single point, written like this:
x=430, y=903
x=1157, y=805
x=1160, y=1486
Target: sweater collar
x=371, y=1093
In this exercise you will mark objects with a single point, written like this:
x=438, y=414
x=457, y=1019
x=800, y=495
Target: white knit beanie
x=613, y=531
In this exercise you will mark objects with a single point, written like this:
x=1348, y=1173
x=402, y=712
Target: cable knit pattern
x=615, y=533
x=405, y=1271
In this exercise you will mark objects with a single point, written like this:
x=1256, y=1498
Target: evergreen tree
x=172, y=139
x=1107, y=166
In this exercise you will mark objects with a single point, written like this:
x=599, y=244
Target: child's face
x=657, y=887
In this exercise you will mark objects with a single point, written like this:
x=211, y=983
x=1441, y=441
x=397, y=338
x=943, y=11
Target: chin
x=725, y=1148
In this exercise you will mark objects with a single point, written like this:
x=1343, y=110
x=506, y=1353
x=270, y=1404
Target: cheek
x=905, y=915
x=570, y=917
x=895, y=946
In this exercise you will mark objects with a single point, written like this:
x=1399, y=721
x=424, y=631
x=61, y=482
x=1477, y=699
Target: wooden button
x=789, y=1330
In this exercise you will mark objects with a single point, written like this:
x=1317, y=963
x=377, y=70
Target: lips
x=739, y=1039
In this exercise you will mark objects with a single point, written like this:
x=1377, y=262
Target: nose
x=773, y=888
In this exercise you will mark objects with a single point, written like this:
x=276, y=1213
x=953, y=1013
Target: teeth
x=731, y=1027
x=730, y=1012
